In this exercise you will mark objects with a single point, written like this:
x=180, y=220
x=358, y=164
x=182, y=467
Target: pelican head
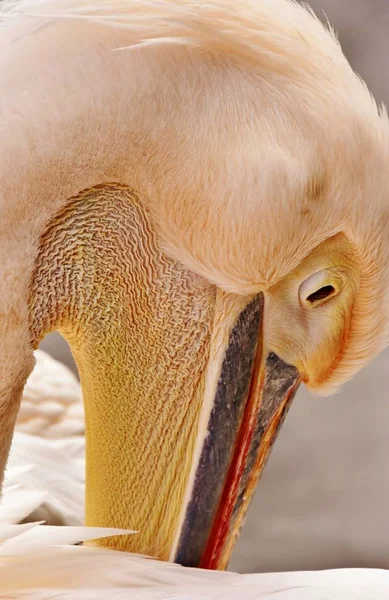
x=194, y=194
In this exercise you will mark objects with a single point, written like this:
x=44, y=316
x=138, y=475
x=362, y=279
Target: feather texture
x=251, y=31
x=33, y=565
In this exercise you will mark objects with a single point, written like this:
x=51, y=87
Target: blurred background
x=323, y=501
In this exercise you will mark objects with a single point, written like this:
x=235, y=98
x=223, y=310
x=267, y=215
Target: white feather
x=52, y=401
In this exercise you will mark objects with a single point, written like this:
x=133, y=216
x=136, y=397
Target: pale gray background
x=323, y=501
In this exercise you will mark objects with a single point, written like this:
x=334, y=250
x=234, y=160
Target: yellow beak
x=182, y=405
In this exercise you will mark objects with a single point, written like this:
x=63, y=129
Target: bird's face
x=309, y=313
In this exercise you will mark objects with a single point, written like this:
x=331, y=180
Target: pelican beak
x=182, y=403
x=252, y=396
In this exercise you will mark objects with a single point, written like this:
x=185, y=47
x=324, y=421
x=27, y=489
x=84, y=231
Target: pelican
x=194, y=194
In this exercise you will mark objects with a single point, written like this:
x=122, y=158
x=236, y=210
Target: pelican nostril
x=321, y=294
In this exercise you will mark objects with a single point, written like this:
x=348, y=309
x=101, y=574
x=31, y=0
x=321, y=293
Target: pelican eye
x=317, y=289
x=322, y=294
